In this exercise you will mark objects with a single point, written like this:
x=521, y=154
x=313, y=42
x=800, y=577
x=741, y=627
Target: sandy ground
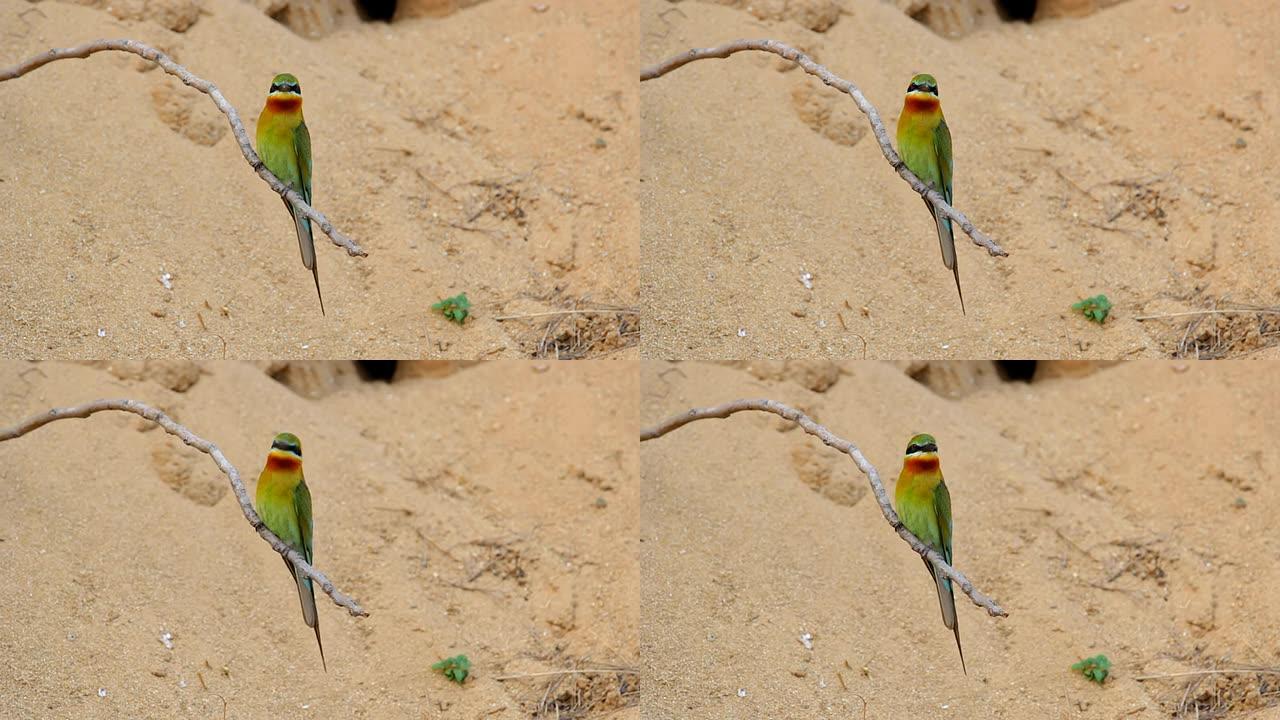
x=491, y=152
x=1118, y=153
x=491, y=512
x=1127, y=512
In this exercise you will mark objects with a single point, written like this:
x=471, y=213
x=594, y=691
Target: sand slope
x=1117, y=153
x=491, y=512
x=1126, y=512
x=491, y=152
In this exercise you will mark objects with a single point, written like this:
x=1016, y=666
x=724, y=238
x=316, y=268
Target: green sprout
x=1095, y=668
x=455, y=308
x=455, y=668
x=1095, y=308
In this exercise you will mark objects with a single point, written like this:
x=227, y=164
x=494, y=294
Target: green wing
x=941, y=145
x=302, y=506
x=942, y=510
x=302, y=147
x=306, y=592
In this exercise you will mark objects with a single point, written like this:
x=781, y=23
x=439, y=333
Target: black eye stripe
x=922, y=88
x=278, y=87
x=931, y=447
x=287, y=447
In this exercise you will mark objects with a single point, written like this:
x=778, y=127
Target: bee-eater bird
x=924, y=505
x=924, y=142
x=284, y=504
x=285, y=148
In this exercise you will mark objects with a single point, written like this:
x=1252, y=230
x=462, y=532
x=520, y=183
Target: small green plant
x=455, y=668
x=1095, y=308
x=1095, y=668
x=455, y=308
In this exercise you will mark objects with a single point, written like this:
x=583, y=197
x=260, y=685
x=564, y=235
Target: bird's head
x=923, y=84
x=287, y=443
x=285, y=84
x=922, y=444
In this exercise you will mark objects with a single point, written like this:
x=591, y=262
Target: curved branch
x=167, y=64
x=185, y=435
x=882, y=136
x=848, y=448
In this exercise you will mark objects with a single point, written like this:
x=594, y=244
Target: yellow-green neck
x=921, y=112
x=281, y=475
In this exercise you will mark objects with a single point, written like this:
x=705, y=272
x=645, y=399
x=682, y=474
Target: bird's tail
x=948, y=242
x=947, y=600
x=307, y=596
x=307, y=245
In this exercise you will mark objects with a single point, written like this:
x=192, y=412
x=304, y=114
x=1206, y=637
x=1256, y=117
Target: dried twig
x=882, y=136
x=1216, y=671
x=167, y=64
x=573, y=671
x=1190, y=313
x=185, y=435
x=844, y=446
x=615, y=311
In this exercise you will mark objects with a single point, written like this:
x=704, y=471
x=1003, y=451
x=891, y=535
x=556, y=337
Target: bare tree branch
x=882, y=136
x=185, y=435
x=848, y=448
x=167, y=64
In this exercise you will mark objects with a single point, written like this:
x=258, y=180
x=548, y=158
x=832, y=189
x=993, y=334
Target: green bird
x=284, y=504
x=285, y=148
x=925, y=508
x=924, y=142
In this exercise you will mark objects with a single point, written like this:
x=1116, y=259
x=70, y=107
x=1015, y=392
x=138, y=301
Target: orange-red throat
x=922, y=463
x=921, y=102
x=284, y=102
x=282, y=460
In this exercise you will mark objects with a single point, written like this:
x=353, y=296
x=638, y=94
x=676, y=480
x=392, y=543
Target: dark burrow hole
x=382, y=10
x=1016, y=9
x=373, y=370
x=1014, y=370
